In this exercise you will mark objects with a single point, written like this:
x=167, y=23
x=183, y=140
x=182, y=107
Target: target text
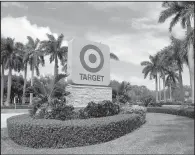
x=91, y=77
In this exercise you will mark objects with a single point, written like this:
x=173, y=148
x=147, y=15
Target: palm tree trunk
x=24, y=88
x=159, y=89
x=181, y=86
x=191, y=60
x=156, y=82
x=9, y=85
x=170, y=92
x=2, y=84
x=56, y=66
x=32, y=80
x=165, y=99
x=191, y=68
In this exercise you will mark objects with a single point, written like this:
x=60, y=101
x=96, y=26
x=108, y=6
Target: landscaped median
x=188, y=112
x=44, y=133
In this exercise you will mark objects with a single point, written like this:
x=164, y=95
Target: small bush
x=44, y=133
x=188, y=112
x=134, y=109
x=57, y=110
x=155, y=104
x=60, y=113
x=147, y=100
x=101, y=109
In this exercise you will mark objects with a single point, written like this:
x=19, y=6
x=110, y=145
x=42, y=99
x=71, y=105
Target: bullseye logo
x=91, y=58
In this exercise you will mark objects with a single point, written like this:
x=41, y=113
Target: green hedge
x=177, y=103
x=181, y=112
x=44, y=133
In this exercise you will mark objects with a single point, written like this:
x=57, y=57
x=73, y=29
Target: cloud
x=132, y=48
x=19, y=28
x=16, y=4
x=109, y=5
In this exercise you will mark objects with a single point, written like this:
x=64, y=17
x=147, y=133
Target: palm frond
x=64, y=68
x=39, y=89
x=113, y=56
x=59, y=77
x=37, y=70
x=146, y=71
x=174, y=21
x=51, y=37
x=183, y=23
x=42, y=60
x=36, y=43
x=59, y=40
x=167, y=13
x=30, y=41
x=146, y=63
x=63, y=50
x=51, y=59
x=60, y=56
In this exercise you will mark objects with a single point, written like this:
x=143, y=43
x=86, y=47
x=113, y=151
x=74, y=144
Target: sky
x=130, y=29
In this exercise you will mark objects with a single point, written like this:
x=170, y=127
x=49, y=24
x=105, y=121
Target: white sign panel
x=88, y=63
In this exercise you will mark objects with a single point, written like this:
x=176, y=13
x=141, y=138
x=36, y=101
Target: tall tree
x=164, y=63
x=151, y=68
x=35, y=57
x=54, y=48
x=171, y=79
x=3, y=60
x=176, y=58
x=183, y=12
x=24, y=87
x=12, y=57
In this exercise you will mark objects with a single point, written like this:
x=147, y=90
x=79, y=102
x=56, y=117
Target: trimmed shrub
x=44, y=133
x=101, y=109
x=188, y=112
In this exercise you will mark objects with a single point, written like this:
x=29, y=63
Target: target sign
x=88, y=63
x=91, y=58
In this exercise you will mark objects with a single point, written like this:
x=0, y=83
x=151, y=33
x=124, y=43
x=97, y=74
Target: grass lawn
x=161, y=134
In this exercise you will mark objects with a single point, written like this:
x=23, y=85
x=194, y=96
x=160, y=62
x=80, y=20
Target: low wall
x=80, y=96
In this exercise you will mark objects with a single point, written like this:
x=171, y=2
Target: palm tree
x=177, y=59
x=25, y=81
x=3, y=48
x=183, y=12
x=122, y=92
x=12, y=57
x=53, y=48
x=172, y=78
x=159, y=87
x=35, y=57
x=46, y=93
x=163, y=63
x=151, y=68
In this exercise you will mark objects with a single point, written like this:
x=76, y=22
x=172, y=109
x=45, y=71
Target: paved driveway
x=162, y=134
x=5, y=116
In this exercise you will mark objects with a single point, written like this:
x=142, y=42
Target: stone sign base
x=80, y=95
